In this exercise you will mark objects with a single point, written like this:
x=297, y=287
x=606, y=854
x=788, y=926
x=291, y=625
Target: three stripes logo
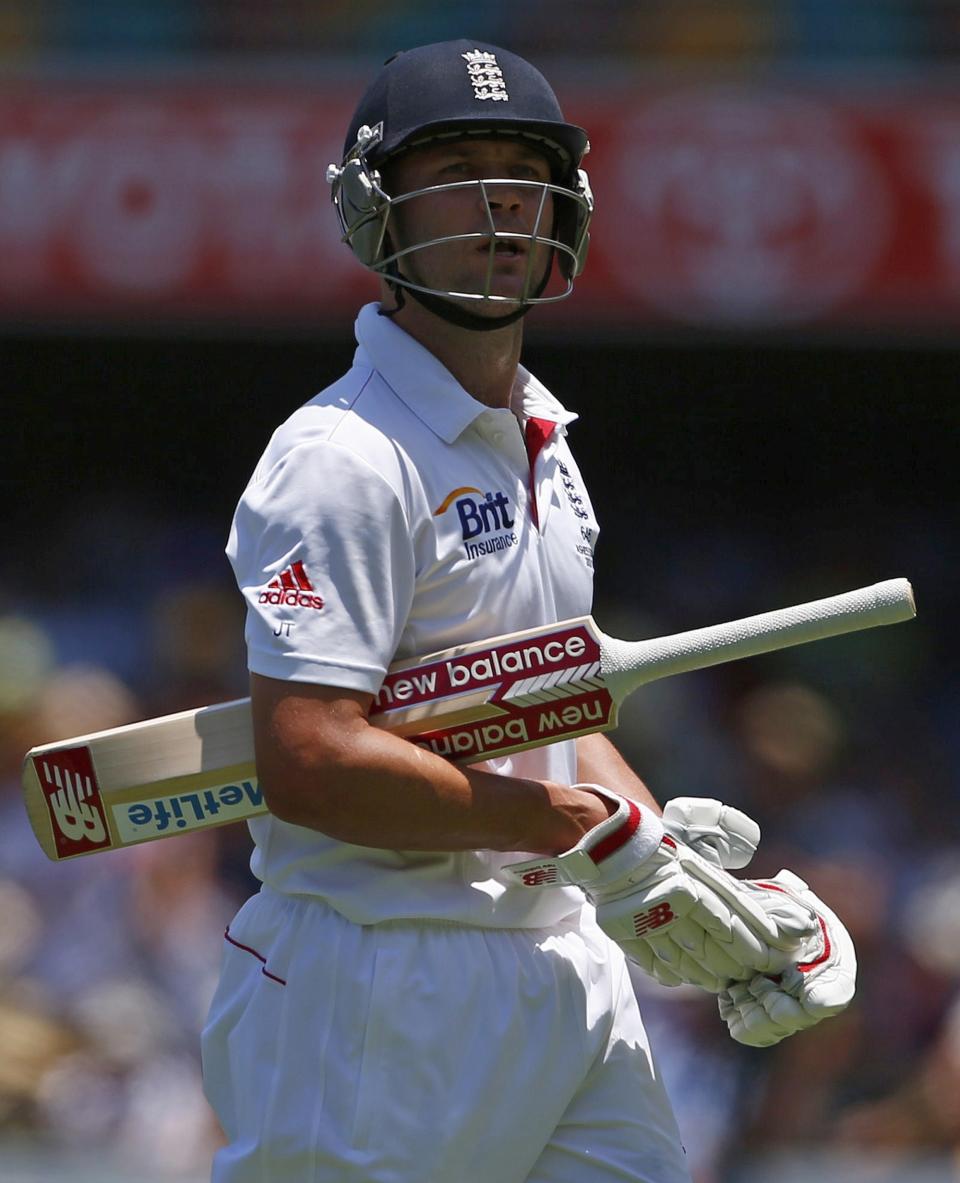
x=292, y=588
x=69, y=784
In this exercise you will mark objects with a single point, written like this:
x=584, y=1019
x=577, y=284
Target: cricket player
x=431, y=984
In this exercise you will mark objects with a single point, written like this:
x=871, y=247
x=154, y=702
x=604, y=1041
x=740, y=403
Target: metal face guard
x=364, y=209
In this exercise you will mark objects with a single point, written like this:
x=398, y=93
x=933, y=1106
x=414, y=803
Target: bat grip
x=629, y=664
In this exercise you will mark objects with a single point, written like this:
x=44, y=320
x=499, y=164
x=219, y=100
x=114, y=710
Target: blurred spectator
x=20, y=30
x=668, y=32
x=122, y=27
x=697, y=31
x=921, y=1113
x=106, y=964
x=821, y=31
x=197, y=646
x=853, y=785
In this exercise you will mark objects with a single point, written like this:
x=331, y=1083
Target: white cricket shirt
x=392, y=516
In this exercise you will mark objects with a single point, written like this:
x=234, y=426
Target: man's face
x=513, y=268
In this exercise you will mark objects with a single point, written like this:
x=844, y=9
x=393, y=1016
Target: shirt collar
x=428, y=388
x=530, y=399
x=417, y=378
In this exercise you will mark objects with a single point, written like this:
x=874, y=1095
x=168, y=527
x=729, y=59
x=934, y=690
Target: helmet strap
x=455, y=315
x=452, y=313
x=396, y=290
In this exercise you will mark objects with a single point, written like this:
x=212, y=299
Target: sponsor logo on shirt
x=486, y=520
x=292, y=589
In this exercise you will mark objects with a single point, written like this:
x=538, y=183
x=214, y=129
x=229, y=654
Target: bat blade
x=163, y=776
x=196, y=769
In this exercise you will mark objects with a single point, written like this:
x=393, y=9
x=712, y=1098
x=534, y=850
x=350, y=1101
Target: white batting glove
x=717, y=832
x=820, y=982
x=680, y=917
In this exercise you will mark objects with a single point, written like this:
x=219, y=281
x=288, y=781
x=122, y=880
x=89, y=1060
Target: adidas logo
x=291, y=588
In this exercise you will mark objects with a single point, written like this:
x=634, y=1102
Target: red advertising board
x=717, y=206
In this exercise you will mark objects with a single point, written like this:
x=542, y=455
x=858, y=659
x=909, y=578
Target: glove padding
x=820, y=983
x=717, y=832
x=680, y=917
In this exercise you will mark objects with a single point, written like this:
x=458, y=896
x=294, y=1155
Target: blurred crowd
x=847, y=753
x=107, y=964
x=809, y=32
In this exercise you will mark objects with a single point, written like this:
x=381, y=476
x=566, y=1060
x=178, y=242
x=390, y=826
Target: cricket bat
x=195, y=769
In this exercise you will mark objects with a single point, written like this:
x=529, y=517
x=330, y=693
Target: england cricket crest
x=486, y=77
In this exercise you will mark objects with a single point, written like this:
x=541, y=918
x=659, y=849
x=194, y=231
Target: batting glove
x=717, y=832
x=820, y=982
x=680, y=917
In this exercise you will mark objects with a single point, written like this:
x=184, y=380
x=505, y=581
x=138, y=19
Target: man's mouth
x=508, y=247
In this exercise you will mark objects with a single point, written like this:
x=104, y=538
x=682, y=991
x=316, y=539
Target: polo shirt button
x=498, y=437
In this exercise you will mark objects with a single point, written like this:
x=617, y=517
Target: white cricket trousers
x=420, y=1052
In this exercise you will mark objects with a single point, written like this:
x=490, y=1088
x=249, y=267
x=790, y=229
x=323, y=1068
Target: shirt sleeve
x=321, y=549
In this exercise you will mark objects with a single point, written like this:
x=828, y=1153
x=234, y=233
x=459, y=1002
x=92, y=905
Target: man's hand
x=679, y=916
x=765, y=1009
x=820, y=983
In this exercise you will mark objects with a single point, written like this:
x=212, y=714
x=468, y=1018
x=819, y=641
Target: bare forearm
x=599, y=762
x=378, y=790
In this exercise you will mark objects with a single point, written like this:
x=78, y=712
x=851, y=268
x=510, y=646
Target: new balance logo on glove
x=655, y=917
x=541, y=877
x=679, y=916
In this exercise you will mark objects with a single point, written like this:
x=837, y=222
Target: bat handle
x=629, y=664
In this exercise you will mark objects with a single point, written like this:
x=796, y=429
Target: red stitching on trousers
x=259, y=956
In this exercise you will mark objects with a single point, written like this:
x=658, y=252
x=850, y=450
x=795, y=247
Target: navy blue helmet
x=459, y=89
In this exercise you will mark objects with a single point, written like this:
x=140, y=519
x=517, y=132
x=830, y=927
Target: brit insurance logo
x=486, y=521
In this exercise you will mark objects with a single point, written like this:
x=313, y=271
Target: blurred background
x=764, y=355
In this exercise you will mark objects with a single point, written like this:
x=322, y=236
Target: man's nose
x=504, y=195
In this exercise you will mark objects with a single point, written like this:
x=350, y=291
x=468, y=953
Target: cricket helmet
x=459, y=89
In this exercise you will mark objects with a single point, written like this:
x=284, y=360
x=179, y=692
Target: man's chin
x=507, y=293
x=510, y=287
x=490, y=309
